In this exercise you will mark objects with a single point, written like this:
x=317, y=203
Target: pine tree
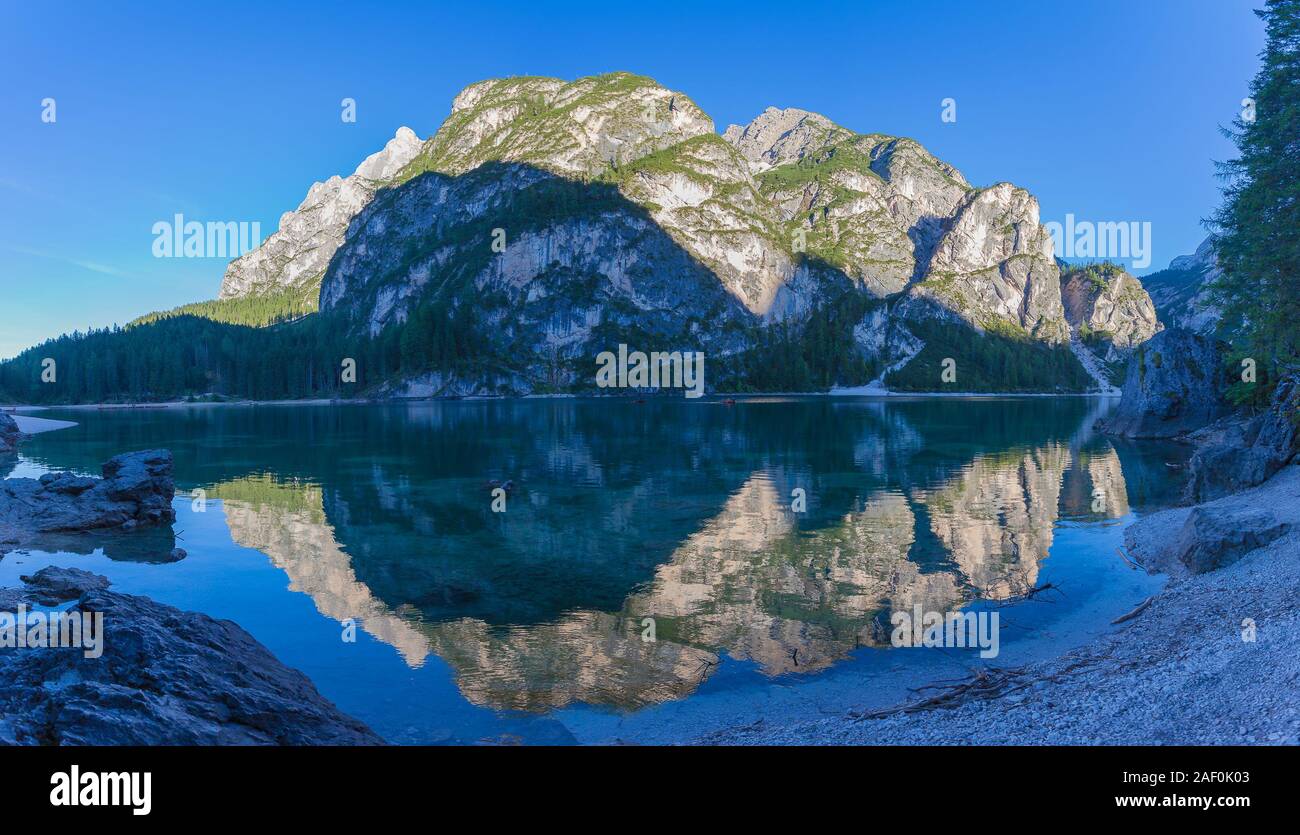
x=1258, y=225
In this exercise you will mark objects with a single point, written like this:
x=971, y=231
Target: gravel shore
x=1185, y=670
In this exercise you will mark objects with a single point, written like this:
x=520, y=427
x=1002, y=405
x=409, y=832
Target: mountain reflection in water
x=670, y=511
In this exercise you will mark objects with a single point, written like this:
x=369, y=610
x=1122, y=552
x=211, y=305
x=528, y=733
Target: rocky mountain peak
x=781, y=135
x=295, y=256
x=1181, y=292
x=577, y=128
x=385, y=164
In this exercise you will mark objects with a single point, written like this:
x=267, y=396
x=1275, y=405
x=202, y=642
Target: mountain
x=624, y=215
x=1181, y=291
x=546, y=221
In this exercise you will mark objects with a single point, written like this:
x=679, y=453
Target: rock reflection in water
x=678, y=513
x=750, y=583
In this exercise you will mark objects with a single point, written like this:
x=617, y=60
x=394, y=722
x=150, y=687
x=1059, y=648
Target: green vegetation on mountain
x=255, y=311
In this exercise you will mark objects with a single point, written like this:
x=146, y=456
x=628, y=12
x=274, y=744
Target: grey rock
x=1213, y=537
x=165, y=677
x=1188, y=540
x=295, y=256
x=656, y=228
x=136, y=491
x=1181, y=292
x=53, y=585
x=778, y=136
x=1237, y=452
x=993, y=266
x=1173, y=385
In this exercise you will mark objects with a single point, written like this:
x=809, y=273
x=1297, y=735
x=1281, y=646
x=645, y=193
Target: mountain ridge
x=547, y=220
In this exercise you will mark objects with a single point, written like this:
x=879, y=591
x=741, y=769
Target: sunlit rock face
x=1111, y=307
x=993, y=267
x=868, y=206
x=295, y=256
x=287, y=523
x=580, y=128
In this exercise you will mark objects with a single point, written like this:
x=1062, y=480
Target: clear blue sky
x=1108, y=109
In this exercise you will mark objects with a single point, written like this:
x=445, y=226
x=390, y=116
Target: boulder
x=1213, y=537
x=1183, y=541
x=136, y=491
x=1174, y=385
x=165, y=677
x=54, y=585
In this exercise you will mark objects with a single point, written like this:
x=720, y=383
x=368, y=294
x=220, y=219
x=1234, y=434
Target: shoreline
x=875, y=394
x=1191, y=666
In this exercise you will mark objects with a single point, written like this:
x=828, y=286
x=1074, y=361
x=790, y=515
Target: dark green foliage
x=988, y=362
x=187, y=356
x=1099, y=273
x=1259, y=223
x=812, y=355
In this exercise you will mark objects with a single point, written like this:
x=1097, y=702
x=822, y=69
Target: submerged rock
x=165, y=677
x=136, y=491
x=53, y=585
x=1173, y=386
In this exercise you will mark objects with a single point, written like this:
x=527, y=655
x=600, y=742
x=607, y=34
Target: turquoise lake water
x=530, y=625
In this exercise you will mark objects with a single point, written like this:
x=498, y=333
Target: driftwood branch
x=1141, y=607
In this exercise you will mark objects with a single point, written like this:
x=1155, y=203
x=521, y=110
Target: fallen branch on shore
x=987, y=683
x=1141, y=607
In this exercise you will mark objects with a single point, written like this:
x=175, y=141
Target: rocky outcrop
x=1181, y=293
x=295, y=256
x=779, y=136
x=165, y=677
x=1173, y=386
x=1210, y=539
x=994, y=268
x=1240, y=452
x=1109, y=309
x=9, y=434
x=136, y=491
x=578, y=128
